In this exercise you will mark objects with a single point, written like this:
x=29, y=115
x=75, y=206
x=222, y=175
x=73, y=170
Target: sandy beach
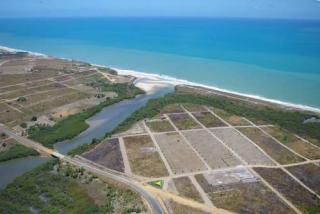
x=150, y=81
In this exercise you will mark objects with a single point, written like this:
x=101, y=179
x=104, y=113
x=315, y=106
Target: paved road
x=137, y=187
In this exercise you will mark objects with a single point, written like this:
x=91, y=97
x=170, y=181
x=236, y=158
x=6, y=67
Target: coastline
x=150, y=81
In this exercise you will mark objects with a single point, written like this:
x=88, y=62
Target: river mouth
x=101, y=123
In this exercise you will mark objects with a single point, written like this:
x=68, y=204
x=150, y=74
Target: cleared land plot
x=239, y=191
x=39, y=97
x=35, y=89
x=250, y=153
x=176, y=208
x=231, y=119
x=107, y=154
x=11, y=79
x=9, y=114
x=279, y=153
x=208, y=119
x=187, y=189
x=56, y=102
x=212, y=151
x=160, y=126
x=179, y=155
x=173, y=108
x=183, y=121
x=289, y=188
x=309, y=174
x=193, y=107
x=305, y=149
x=143, y=157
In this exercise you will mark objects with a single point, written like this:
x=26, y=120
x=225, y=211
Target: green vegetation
x=65, y=189
x=17, y=151
x=73, y=125
x=290, y=120
x=22, y=99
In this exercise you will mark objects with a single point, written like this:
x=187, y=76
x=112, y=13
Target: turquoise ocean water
x=276, y=59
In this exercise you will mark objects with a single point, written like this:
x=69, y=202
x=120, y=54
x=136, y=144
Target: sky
x=287, y=9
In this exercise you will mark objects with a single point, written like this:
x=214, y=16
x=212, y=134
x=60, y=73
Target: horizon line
x=177, y=17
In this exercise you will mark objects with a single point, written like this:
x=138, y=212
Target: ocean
x=274, y=59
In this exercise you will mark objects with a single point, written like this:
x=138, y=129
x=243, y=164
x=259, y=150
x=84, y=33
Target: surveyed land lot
x=239, y=191
x=304, y=148
x=309, y=174
x=178, y=153
x=291, y=189
x=231, y=119
x=183, y=121
x=107, y=154
x=212, y=151
x=185, y=188
x=143, y=157
x=160, y=126
x=279, y=153
x=242, y=146
x=208, y=119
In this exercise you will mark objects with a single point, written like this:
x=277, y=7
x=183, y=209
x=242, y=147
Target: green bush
x=17, y=151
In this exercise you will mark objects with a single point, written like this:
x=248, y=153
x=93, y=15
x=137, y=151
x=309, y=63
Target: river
x=101, y=123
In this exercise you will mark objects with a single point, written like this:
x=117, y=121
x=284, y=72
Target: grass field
x=160, y=126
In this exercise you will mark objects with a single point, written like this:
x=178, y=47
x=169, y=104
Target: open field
x=309, y=174
x=143, y=157
x=279, y=153
x=212, y=151
x=186, y=189
x=233, y=120
x=194, y=107
x=174, y=108
x=242, y=146
x=239, y=191
x=12, y=79
x=160, y=126
x=179, y=155
x=289, y=188
x=305, y=149
x=107, y=154
x=183, y=121
x=208, y=119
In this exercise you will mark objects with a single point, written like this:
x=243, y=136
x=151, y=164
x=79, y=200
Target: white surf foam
x=164, y=79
